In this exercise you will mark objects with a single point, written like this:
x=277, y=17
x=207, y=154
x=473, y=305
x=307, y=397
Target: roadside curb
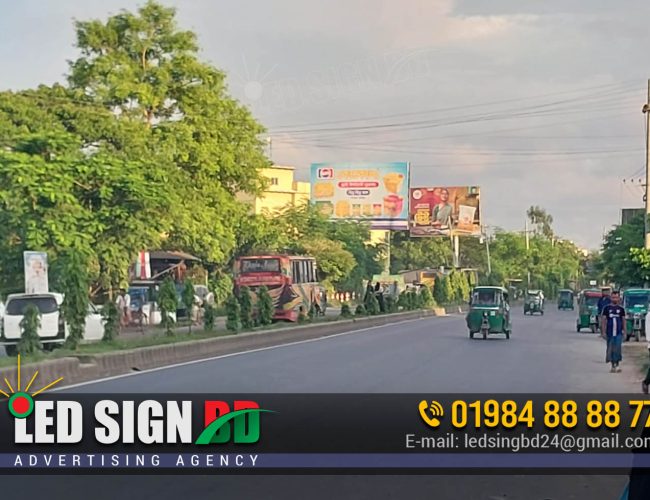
x=84, y=368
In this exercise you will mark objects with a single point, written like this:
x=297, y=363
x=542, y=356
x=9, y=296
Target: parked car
x=53, y=330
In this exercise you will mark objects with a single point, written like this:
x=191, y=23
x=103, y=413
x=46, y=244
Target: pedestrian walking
x=613, y=329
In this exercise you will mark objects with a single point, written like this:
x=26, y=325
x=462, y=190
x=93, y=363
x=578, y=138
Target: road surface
x=545, y=354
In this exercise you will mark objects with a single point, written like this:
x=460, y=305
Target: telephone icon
x=431, y=413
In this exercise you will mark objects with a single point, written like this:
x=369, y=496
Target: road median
x=88, y=367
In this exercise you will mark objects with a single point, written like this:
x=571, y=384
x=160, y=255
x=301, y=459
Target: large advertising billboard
x=375, y=192
x=445, y=211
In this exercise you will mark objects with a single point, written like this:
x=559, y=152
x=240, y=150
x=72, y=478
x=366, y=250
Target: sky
x=537, y=102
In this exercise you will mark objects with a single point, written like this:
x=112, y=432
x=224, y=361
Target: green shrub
x=74, y=283
x=391, y=304
x=372, y=304
x=346, y=312
x=233, y=313
x=111, y=316
x=167, y=303
x=426, y=299
x=264, y=306
x=30, y=342
x=246, y=308
x=360, y=310
x=187, y=297
x=403, y=301
x=209, y=315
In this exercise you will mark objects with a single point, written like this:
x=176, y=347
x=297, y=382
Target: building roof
x=282, y=167
x=172, y=255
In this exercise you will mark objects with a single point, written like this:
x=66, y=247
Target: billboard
x=35, y=272
x=627, y=214
x=445, y=211
x=375, y=192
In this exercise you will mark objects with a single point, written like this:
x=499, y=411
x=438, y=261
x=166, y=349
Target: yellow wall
x=279, y=194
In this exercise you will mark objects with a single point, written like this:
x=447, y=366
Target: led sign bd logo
x=21, y=402
x=242, y=424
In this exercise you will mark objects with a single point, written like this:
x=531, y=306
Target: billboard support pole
x=456, y=241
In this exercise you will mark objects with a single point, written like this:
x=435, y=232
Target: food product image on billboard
x=445, y=211
x=376, y=192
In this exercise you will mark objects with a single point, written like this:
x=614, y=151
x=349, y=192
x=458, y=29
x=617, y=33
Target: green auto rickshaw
x=489, y=312
x=588, y=310
x=534, y=302
x=635, y=303
x=565, y=299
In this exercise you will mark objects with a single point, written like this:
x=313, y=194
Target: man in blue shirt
x=613, y=329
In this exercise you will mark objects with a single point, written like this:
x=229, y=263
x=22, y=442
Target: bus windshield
x=260, y=266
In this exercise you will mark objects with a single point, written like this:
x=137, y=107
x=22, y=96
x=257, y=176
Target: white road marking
x=239, y=353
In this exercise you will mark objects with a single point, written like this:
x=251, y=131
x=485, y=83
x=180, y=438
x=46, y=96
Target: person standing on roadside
x=123, y=303
x=613, y=329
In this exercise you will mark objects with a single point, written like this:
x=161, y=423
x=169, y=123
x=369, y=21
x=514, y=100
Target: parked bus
x=292, y=282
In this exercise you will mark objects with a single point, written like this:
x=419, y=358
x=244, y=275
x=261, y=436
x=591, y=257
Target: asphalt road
x=545, y=354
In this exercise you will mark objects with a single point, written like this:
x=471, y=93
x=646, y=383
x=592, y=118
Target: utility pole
x=269, y=141
x=487, y=251
x=527, y=250
x=646, y=111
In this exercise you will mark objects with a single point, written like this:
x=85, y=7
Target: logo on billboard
x=325, y=173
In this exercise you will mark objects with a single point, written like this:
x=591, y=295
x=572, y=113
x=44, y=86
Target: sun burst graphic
x=21, y=402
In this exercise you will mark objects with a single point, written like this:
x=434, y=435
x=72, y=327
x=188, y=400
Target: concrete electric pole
x=646, y=198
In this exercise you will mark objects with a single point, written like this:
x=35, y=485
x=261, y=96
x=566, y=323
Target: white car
x=53, y=329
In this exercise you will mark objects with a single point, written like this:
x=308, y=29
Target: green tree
x=74, y=283
x=167, y=303
x=187, y=297
x=111, y=317
x=30, y=342
x=142, y=66
x=617, y=263
x=541, y=220
x=641, y=257
x=246, y=307
x=222, y=287
x=345, y=311
x=264, y=306
x=233, y=314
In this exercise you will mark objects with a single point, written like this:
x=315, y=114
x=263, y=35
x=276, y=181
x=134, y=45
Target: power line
x=454, y=108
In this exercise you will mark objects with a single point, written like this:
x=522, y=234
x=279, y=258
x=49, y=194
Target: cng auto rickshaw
x=588, y=310
x=534, y=302
x=489, y=312
x=565, y=299
x=635, y=303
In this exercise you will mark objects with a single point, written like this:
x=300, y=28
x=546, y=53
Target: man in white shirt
x=123, y=303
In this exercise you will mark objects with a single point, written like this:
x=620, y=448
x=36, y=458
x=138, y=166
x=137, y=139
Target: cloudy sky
x=538, y=102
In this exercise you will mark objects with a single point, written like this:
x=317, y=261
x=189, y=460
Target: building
x=282, y=191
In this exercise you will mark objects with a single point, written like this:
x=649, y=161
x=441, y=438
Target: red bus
x=292, y=282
